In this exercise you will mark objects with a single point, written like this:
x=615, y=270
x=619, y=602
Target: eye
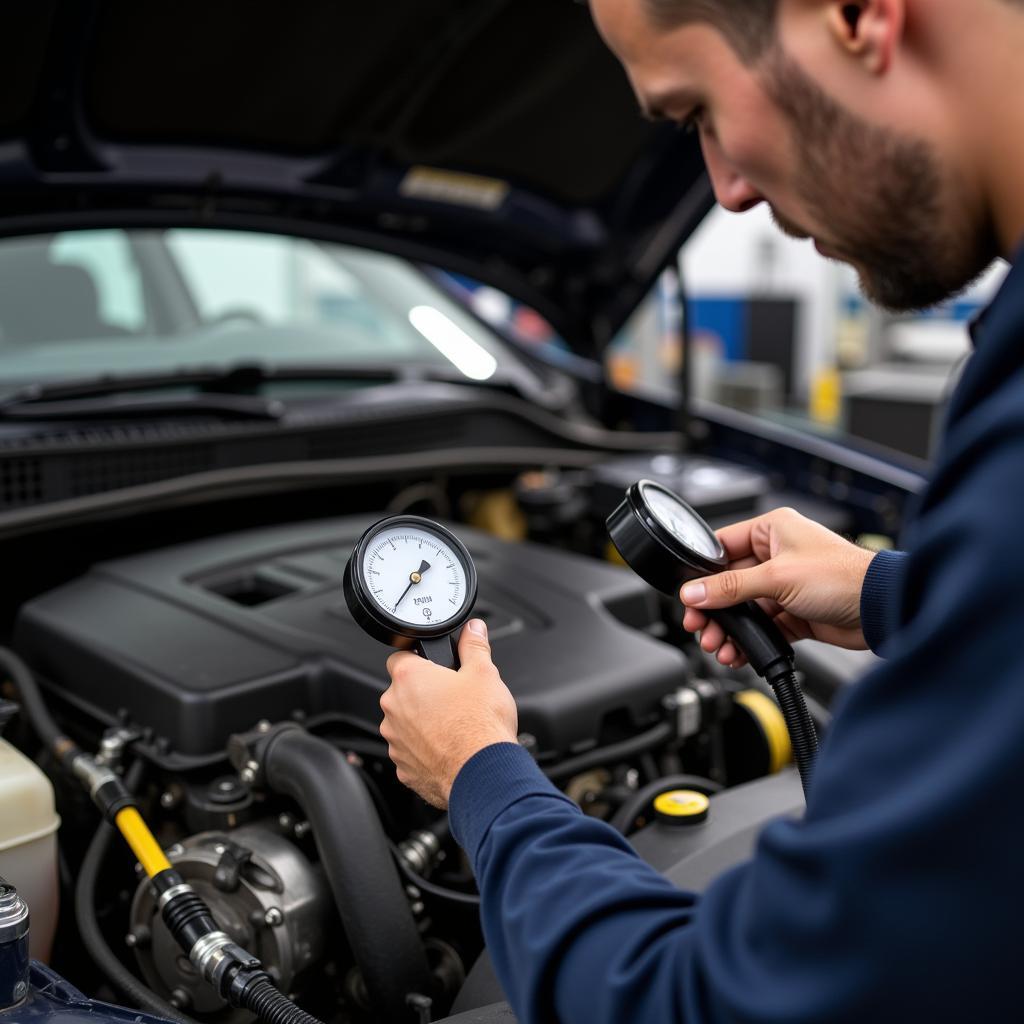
x=694, y=122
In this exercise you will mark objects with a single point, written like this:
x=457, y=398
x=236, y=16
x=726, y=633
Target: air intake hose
x=356, y=857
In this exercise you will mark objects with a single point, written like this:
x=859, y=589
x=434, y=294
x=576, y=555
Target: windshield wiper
x=232, y=392
x=237, y=407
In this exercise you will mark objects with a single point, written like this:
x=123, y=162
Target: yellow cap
x=681, y=807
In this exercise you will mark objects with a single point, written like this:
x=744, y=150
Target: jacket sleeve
x=879, y=597
x=894, y=899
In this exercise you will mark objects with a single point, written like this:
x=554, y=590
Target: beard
x=881, y=197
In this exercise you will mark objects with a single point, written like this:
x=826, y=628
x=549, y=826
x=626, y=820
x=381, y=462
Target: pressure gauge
x=410, y=577
x=667, y=544
x=662, y=539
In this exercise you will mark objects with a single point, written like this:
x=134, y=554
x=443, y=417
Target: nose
x=732, y=190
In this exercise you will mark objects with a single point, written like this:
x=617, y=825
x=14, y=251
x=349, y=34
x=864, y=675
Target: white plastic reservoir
x=28, y=843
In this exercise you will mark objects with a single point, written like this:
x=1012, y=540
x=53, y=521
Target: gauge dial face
x=681, y=522
x=414, y=575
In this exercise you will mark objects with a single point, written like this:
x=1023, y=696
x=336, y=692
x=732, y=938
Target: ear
x=868, y=30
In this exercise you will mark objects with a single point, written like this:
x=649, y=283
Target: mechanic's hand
x=435, y=719
x=807, y=578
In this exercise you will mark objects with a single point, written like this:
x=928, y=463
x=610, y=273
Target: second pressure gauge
x=410, y=577
x=663, y=539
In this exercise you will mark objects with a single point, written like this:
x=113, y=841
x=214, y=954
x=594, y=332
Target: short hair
x=748, y=25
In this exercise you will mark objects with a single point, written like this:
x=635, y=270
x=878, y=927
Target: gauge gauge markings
x=426, y=590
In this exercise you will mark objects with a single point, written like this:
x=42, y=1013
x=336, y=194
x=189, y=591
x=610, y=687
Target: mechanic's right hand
x=807, y=578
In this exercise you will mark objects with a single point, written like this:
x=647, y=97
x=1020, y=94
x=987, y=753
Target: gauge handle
x=757, y=636
x=441, y=650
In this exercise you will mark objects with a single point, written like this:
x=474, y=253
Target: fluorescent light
x=468, y=356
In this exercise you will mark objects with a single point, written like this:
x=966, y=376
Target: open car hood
x=496, y=138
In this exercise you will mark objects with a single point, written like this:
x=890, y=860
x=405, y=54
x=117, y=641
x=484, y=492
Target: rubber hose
x=633, y=747
x=466, y=899
x=356, y=857
x=270, y=1006
x=32, y=701
x=624, y=817
x=802, y=734
x=133, y=990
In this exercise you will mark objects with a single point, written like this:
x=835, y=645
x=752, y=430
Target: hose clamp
x=208, y=953
x=173, y=893
x=92, y=775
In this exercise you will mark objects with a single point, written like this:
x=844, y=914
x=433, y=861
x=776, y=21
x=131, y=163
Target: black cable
x=627, y=814
x=622, y=751
x=802, y=734
x=453, y=896
x=32, y=702
x=133, y=990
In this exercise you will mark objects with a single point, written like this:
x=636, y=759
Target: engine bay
x=224, y=679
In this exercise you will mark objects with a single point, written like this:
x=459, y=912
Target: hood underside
x=496, y=138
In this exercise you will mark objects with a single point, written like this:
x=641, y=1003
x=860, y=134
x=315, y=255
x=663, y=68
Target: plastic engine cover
x=204, y=639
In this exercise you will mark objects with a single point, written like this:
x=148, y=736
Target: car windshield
x=115, y=302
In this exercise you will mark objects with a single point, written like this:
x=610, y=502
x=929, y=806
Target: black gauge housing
x=651, y=550
x=383, y=626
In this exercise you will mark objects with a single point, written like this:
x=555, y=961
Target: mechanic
x=892, y=132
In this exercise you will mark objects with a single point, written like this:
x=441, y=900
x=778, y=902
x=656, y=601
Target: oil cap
x=681, y=807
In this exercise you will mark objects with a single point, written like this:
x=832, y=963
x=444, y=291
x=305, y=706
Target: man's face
x=868, y=194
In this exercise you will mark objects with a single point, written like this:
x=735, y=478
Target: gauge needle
x=414, y=577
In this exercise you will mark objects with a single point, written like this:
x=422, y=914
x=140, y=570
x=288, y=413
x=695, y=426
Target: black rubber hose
x=623, y=751
x=636, y=805
x=133, y=990
x=442, y=892
x=270, y=1006
x=356, y=857
x=32, y=702
x=802, y=734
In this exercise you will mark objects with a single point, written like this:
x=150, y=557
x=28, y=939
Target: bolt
x=286, y=822
x=302, y=829
x=168, y=800
x=131, y=940
x=180, y=999
x=20, y=991
x=263, y=725
x=249, y=772
x=273, y=917
x=176, y=850
x=417, y=908
x=219, y=849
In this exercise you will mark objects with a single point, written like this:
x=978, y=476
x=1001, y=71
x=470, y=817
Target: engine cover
x=202, y=640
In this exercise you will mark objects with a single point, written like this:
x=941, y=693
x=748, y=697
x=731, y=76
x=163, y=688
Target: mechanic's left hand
x=435, y=719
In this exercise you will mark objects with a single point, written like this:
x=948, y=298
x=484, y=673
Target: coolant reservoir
x=28, y=843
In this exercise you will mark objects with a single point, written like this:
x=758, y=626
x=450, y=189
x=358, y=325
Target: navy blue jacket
x=898, y=897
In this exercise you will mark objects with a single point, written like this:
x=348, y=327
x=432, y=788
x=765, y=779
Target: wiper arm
x=227, y=392
x=239, y=380
x=241, y=407
x=232, y=391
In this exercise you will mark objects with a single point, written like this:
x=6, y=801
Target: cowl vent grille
x=21, y=482
x=129, y=469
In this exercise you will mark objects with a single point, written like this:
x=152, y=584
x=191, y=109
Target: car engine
x=232, y=670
